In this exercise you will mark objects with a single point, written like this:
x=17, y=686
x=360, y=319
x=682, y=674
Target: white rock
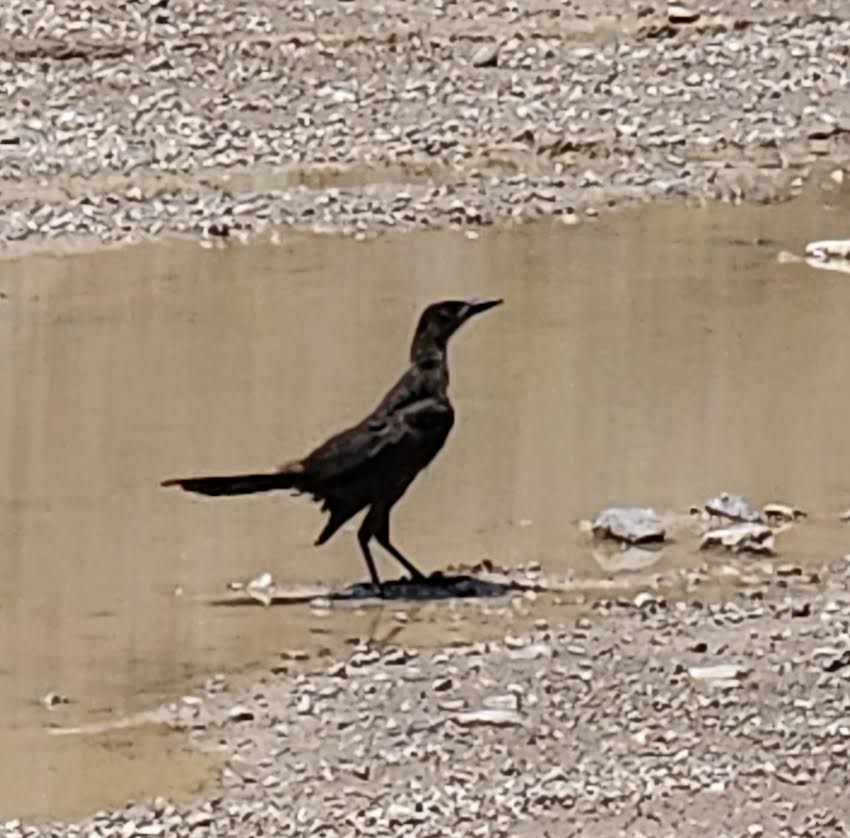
x=677, y=13
x=502, y=702
x=752, y=538
x=717, y=672
x=497, y=718
x=304, y=706
x=487, y=55
x=829, y=249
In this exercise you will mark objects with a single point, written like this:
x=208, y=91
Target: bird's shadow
x=437, y=586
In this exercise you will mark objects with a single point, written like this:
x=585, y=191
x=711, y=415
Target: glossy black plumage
x=370, y=465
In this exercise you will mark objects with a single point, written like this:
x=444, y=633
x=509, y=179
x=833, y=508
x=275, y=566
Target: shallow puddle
x=74, y=777
x=652, y=358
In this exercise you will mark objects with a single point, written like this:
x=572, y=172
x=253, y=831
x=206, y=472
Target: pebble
x=304, y=706
x=742, y=537
x=632, y=525
x=498, y=718
x=53, y=700
x=533, y=652
x=487, y=55
x=508, y=702
x=198, y=819
x=645, y=599
x=240, y=713
x=838, y=662
x=295, y=655
x=734, y=507
x=679, y=14
x=717, y=672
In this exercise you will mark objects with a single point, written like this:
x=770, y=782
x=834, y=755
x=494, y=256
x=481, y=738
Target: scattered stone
x=645, y=599
x=240, y=713
x=532, y=652
x=632, y=525
x=717, y=672
x=822, y=130
x=199, y=819
x=487, y=55
x=733, y=507
x=509, y=702
x=837, y=662
x=782, y=512
x=742, y=538
x=295, y=655
x=828, y=250
x=53, y=700
x=801, y=609
x=304, y=706
x=496, y=718
x=678, y=14
x=261, y=589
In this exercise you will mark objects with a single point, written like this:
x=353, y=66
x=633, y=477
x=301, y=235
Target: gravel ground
x=640, y=717
x=223, y=118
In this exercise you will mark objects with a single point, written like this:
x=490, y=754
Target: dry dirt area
x=224, y=119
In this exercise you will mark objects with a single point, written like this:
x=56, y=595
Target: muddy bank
x=638, y=715
x=222, y=119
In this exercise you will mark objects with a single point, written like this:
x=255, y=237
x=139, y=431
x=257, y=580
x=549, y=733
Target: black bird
x=371, y=464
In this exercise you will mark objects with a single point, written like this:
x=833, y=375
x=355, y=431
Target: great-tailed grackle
x=371, y=464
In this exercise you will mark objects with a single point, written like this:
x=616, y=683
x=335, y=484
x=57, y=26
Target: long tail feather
x=235, y=484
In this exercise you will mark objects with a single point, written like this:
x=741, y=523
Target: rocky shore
x=641, y=715
x=226, y=119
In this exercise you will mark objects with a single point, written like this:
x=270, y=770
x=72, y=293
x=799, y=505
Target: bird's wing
x=398, y=441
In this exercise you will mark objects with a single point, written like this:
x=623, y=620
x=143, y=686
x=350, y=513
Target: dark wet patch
x=437, y=586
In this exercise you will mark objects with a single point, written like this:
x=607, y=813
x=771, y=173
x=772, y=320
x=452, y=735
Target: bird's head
x=441, y=320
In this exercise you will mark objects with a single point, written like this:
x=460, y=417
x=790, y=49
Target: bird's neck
x=426, y=351
x=431, y=364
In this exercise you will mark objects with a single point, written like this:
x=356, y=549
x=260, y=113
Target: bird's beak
x=479, y=304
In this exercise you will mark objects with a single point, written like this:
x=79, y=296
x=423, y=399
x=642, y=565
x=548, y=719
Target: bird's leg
x=364, y=535
x=382, y=536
